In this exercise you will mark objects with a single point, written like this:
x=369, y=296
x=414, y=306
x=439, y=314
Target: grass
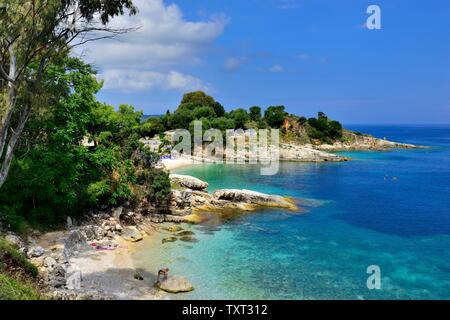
x=17, y=275
x=15, y=289
x=10, y=256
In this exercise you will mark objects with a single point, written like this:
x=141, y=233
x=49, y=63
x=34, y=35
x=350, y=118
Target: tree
x=274, y=116
x=219, y=109
x=240, y=117
x=198, y=98
x=152, y=126
x=255, y=113
x=33, y=33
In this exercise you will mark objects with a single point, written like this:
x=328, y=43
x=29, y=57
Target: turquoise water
x=390, y=209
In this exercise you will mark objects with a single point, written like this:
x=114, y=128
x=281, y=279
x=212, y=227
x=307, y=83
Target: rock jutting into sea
x=186, y=203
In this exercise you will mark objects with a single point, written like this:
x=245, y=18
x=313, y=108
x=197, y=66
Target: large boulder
x=73, y=277
x=253, y=198
x=15, y=241
x=180, y=202
x=175, y=284
x=188, y=182
x=131, y=234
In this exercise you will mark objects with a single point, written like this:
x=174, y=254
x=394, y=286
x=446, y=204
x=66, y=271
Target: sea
x=376, y=227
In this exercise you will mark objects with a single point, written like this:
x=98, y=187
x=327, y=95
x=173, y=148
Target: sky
x=308, y=55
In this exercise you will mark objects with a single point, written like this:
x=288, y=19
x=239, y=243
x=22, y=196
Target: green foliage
x=240, y=117
x=17, y=275
x=324, y=129
x=14, y=289
x=255, y=113
x=223, y=123
x=218, y=109
x=198, y=99
x=152, y=127
x=9, y=256
x=204, y=112
x=54, y=174
x=274, y=116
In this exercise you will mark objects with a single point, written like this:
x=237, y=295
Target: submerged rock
x=188, y=182
x=188, y=239
x=131, y=234
x=174, y=228
x=175, y=284
x=169, y=239
x=185, y=233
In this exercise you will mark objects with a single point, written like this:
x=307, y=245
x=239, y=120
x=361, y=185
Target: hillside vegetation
x=17, y=275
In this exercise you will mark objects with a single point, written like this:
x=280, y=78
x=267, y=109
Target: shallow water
x=389, y=209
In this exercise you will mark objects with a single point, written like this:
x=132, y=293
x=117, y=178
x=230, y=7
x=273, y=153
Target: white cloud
x=303, y=56
x=276, y=68
x=288, y=4
x=165, y=39
x=233, y=63
x=134, y=80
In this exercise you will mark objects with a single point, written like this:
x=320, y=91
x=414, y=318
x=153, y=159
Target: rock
x=35, y=252
x=15, y=241
x=303, y=153
x=69, y=223
x=118, y=228
x=73, y=277
x=138, y=276
x=72, y=243
x=188, y=239
x=174, y=228
x=117, y=212
x=131, y=234
x=49, y=262
x=180, y=202
x=185, y=233
x=253, y=198
x=175, y=284
x=169, y=239
x=188, y=182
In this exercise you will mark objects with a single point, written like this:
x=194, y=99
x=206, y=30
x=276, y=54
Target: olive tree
x=32, y=34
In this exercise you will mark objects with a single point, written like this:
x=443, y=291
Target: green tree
x=33, y=34
x=198, y=98
x=152, y=127
x=274, y=116
x=255, y=113
x=240, y=117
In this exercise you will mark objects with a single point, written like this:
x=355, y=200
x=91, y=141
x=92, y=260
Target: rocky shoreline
x=91, y=259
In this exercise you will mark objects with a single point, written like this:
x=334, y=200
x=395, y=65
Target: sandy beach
x=172, y=164
x=108, y=273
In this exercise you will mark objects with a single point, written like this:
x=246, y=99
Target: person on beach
x=164, y=273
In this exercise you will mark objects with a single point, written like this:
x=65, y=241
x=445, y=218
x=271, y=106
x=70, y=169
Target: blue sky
x=309, y=55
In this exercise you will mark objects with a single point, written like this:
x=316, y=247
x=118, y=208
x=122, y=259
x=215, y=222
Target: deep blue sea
x=390, y=209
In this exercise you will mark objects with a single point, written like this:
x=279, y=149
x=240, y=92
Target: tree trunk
x=5, y=143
